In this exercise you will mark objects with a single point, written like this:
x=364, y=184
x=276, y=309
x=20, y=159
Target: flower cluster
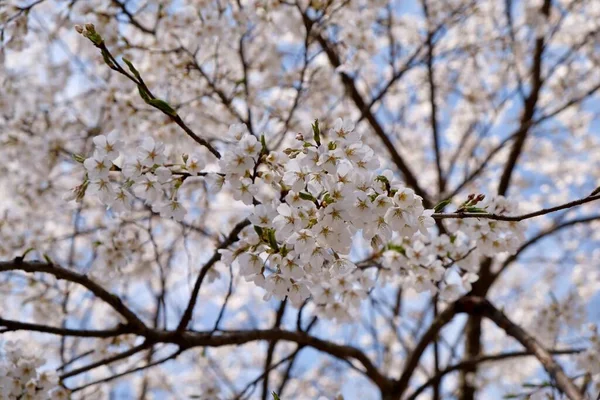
x=148, y=177
x=589, y=360
x=326, y=196
x=311, y=204
x=20, y=377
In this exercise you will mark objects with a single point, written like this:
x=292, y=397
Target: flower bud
x=79, y=29
x=90, y=28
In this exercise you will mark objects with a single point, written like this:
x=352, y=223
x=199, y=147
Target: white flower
x=296, y=176
x=214, y=181
x=148, y=188
x=290, y=269
x=303, y=241
x=151, y=153
x=344, y=131
x=404, y=198
x=425, y=221
x=194, y=165
x=422, y=283
x=263, y=215
x=286, y=222
x=237, y=163
x=103, y=189
x=468, y=279
x=277, y=285
x=250, y=264
x=122, y=201
x=363, y=208
x=298, y=292
x=250, y=146
x=163, y=175
x=132, y=170
x=450, y=293
x=342, y=267
x=172, y=209
x=395, y=217
x=97, y=166
x=329, y=161
x=237, y=131
x=244, y=190
x=108, y=146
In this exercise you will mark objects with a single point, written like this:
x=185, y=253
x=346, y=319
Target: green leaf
x=475, y=210
x=306, y=196
x=272, y=240
x=163, y=106
x=107, y=59
x=386, y=183
x=94, y=38
x=29, y=250
x=48, y=259
x=275, y=396
x=396, y=248
x=441, y=205
x=382, y=179
x=263, y=143
x=132, y=69
x=78, y=158
x=143, y=94
x=283, y=251
x=316, y=132
x=530, y=385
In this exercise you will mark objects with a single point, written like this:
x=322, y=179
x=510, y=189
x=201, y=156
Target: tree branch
x=563, y=382
x=232, y=238
x=12, y=326
x=479, y=360
x=516, y=218
x=67, y=275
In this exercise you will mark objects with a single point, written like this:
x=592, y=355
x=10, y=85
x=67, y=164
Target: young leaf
x=263, y=143
x=307, y=196
x=48, y=259
x=163, y=106
x=441, y=205
x=143, y=94
x=132, y=69
x=29, y=250
x=316, y=132
x=272, y=240
x=475, y=210
x=78, y=158
x=107, y=59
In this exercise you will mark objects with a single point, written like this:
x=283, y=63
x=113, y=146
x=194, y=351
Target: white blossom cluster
x=589, y=360
x=310, y=204
x=20, y=377
x=325, y=195
x=147, y=176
